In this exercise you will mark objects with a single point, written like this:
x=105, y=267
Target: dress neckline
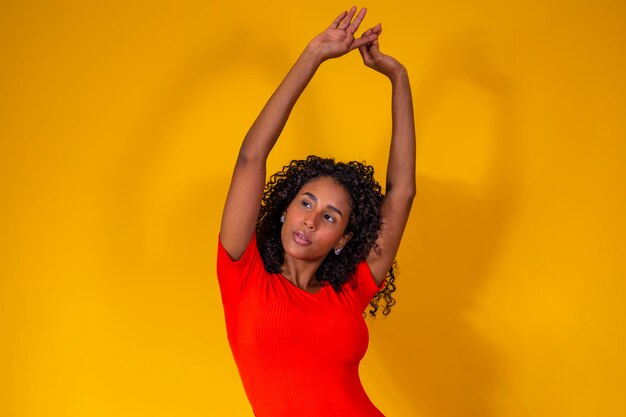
x=323, y=285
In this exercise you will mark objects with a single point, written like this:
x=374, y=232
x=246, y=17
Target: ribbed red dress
x=297, y=353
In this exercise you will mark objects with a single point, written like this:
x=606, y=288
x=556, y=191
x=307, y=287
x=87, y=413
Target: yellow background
x=119, y=126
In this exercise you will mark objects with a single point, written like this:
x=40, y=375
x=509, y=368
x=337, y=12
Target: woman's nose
x=309, y=222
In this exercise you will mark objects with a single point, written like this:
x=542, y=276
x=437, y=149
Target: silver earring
x=337, y=251
x=282, y=219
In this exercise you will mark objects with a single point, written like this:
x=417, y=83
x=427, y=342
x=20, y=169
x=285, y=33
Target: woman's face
x=316, y=219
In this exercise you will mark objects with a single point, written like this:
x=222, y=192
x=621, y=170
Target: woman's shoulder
x=233, y=273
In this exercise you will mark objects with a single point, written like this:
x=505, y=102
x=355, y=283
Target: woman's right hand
x=338, y=39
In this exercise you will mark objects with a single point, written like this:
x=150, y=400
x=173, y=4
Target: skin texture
x=242, y=205
x=314, y=225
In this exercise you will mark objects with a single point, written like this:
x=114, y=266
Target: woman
x=299, y=263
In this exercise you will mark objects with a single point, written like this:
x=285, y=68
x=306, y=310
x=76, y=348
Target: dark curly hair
x=366, y=198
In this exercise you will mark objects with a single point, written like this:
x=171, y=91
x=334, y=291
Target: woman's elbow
x=404, y=192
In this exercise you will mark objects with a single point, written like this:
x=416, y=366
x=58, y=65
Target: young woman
x=301, y=257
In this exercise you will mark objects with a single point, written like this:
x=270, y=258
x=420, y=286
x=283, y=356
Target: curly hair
x=366, y=198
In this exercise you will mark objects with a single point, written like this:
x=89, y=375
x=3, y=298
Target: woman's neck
x=301, y=273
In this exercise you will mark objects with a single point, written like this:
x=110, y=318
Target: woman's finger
x=375, y=50
x=337, y=20
x=365, y=55
x=364, y=35
x=345, y=22
x=378, y=29
x=354, y=26
x=364, y=40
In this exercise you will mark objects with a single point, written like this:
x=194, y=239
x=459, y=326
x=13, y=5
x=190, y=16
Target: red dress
x=297, y=353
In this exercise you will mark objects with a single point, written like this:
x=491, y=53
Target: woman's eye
x=329, y=218
x=306, y=203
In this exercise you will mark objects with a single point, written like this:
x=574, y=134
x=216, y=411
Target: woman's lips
x=301, y=238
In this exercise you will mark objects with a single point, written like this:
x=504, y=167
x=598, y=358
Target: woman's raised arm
x=401, y=185
x=246, y=188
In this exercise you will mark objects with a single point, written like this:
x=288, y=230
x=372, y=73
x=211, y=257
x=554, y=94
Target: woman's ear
x=343, y=241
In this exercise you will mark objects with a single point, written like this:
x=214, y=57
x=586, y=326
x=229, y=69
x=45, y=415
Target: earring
x=282, y=219
x=337, y=251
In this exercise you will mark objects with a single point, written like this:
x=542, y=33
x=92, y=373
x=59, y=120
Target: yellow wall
x=119, y=125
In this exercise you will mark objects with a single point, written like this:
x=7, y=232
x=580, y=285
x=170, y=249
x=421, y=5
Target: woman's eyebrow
x=332, y=208
x=311, y=196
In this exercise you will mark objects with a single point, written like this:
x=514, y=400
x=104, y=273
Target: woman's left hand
x=373, y=58
x=338, y=39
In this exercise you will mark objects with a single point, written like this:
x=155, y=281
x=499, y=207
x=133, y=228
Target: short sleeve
x=366, y=285
x=233, y=276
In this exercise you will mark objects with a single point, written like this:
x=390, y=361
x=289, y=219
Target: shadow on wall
x=135, y=175
x=162, y=227
x=447, y=368
x=439, y=360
